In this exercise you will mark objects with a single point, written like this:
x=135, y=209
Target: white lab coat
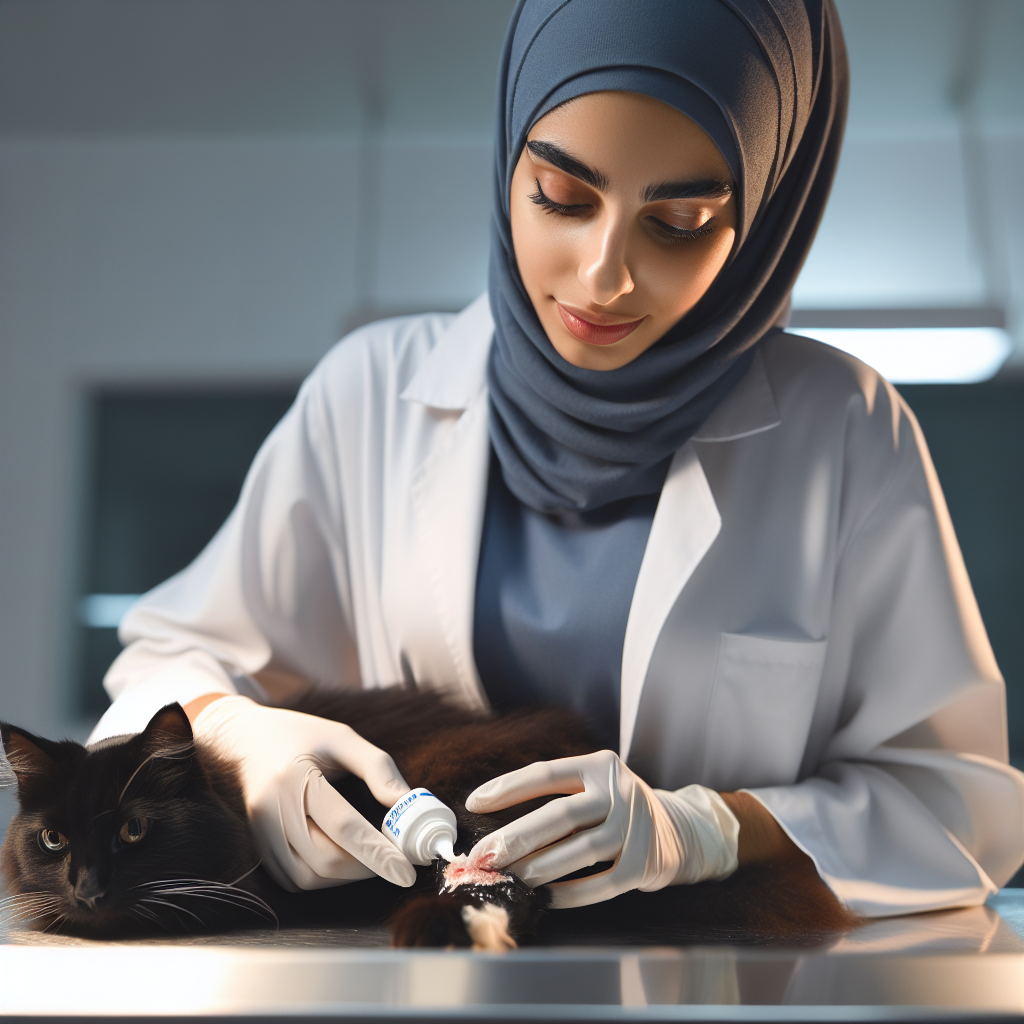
x=802, y=623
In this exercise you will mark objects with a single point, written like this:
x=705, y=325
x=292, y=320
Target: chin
x=595, y=357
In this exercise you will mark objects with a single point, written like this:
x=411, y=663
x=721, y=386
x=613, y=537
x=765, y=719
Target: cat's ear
x=28, y=761
x=168, y=728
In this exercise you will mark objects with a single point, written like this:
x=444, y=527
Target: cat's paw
x=452, y=923
x=430, y=921
x=488, y=927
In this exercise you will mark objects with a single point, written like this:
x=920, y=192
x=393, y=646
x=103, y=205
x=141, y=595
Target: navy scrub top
x=552, y=599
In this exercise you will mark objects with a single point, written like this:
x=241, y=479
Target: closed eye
x=677, y=234
x=564, y=209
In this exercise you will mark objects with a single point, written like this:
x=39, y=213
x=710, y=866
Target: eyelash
x=670, y=233
x=550, y=206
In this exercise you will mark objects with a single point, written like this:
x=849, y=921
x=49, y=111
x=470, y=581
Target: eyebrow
x=709, y=188
x=558, y=157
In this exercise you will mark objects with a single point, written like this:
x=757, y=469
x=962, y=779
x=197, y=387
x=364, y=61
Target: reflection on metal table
x=956, y=965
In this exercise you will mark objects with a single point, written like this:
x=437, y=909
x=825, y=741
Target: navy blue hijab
x=767, y=80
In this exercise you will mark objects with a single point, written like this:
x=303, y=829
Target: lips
x=596, y=334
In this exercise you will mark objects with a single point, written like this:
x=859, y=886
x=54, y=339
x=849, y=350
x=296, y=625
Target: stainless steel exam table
x=958, y=965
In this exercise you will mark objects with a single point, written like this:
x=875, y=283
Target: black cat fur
x=196, y=868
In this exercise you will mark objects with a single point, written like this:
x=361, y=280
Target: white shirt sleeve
x=912, y=806
x=270, y=589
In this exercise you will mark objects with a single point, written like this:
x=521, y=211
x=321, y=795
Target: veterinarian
x=615, y=483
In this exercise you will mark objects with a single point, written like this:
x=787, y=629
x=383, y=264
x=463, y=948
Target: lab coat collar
x=685, y=525
x=748, y=409
x=450, y=486
x=453, y=374
x=448, y=500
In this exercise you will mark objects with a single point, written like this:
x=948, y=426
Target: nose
x=89, y=888
x=604, y=270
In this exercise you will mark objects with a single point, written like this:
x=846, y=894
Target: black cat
x=149, y=833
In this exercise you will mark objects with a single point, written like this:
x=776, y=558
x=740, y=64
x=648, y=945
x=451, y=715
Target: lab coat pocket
x=761, y=707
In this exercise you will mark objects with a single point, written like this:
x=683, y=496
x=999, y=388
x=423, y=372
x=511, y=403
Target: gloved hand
x=655, y=838
x=308, y=835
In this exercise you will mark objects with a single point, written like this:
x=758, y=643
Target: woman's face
x=623, y=211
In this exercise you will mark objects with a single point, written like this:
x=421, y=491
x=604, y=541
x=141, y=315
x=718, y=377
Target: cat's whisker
x=56, y=923
x=37, y=901
x=13, y=919
x=21, y=910
x=217, y=887
x=22, y=896
x=247, y=874
x=195, y=885
x=182, y=880
x=24, y=905
x=30, y=910
x=219, y=892
x=147, y=915
x=254, y=905
x=174, y=881
x=202, y=890
x=175, y=907
x=30, y=913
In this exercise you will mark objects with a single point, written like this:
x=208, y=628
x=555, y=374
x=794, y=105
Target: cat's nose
x=88, y=888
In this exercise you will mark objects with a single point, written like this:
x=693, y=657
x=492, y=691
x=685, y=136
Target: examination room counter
x=956, y=965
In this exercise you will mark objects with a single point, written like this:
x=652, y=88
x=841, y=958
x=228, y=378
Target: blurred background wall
x=198, y=197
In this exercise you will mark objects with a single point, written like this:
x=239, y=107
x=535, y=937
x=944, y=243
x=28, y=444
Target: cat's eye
x=52, y=841
x=133, y=830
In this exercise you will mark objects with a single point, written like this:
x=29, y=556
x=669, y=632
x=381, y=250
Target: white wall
x=927, y=206
x=896, y=232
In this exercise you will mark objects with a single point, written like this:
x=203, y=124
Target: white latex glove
x=655, y=838
x=308, y=835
